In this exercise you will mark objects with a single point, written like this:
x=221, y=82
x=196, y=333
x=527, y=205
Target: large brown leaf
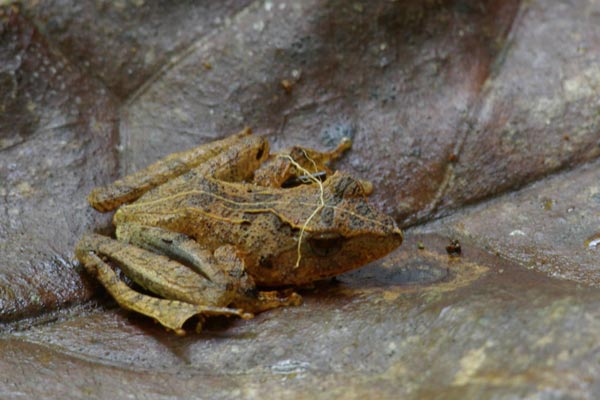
x=449, y=104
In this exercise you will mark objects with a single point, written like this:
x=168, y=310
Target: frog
x=228, y=228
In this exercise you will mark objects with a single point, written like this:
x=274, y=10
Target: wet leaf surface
x=550, y=226
x=449, y=103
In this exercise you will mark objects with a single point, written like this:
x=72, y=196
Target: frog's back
x=197, y=206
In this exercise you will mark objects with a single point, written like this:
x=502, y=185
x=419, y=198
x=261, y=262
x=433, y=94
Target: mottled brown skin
x=207, y=226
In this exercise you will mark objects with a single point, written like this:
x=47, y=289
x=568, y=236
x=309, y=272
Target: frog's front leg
x=257, y=301
x=299, y=165
x=296, y=163
x=185, y=293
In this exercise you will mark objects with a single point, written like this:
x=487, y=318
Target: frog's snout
x=393, y=231
x=395, y=237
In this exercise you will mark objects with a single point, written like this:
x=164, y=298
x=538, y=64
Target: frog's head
x=337, y=231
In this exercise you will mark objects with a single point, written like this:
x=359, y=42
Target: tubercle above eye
x=326, y=236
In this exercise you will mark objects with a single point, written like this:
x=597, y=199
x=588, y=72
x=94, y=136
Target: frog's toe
x=266, y=300
x=367, y=187
x=294, y=300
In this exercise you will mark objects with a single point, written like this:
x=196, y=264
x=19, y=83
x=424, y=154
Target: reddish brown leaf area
x=123, y=44
x=544, y=87
x=57, y=130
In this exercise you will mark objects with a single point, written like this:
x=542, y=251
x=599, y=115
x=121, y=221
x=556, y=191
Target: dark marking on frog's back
x=327, y=215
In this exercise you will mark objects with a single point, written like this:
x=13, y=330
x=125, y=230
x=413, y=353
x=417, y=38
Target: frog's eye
x=326, y=245
x=294, y=181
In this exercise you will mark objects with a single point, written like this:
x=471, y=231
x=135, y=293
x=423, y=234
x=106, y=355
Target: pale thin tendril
x=321, y=198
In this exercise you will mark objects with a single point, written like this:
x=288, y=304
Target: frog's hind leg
x=181, y=287
x=223, y=267
x=132, y=186
x=172, y=314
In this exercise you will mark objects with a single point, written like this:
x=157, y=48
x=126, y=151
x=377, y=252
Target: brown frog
x=206, y=227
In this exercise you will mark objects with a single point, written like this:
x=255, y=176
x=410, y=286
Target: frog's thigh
x=223, y=267
x=178, y=246
x=132, y=186
x=237, y=163
x=157, y=274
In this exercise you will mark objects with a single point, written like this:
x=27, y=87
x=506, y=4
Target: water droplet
x=517, y=232
x=287, y=367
